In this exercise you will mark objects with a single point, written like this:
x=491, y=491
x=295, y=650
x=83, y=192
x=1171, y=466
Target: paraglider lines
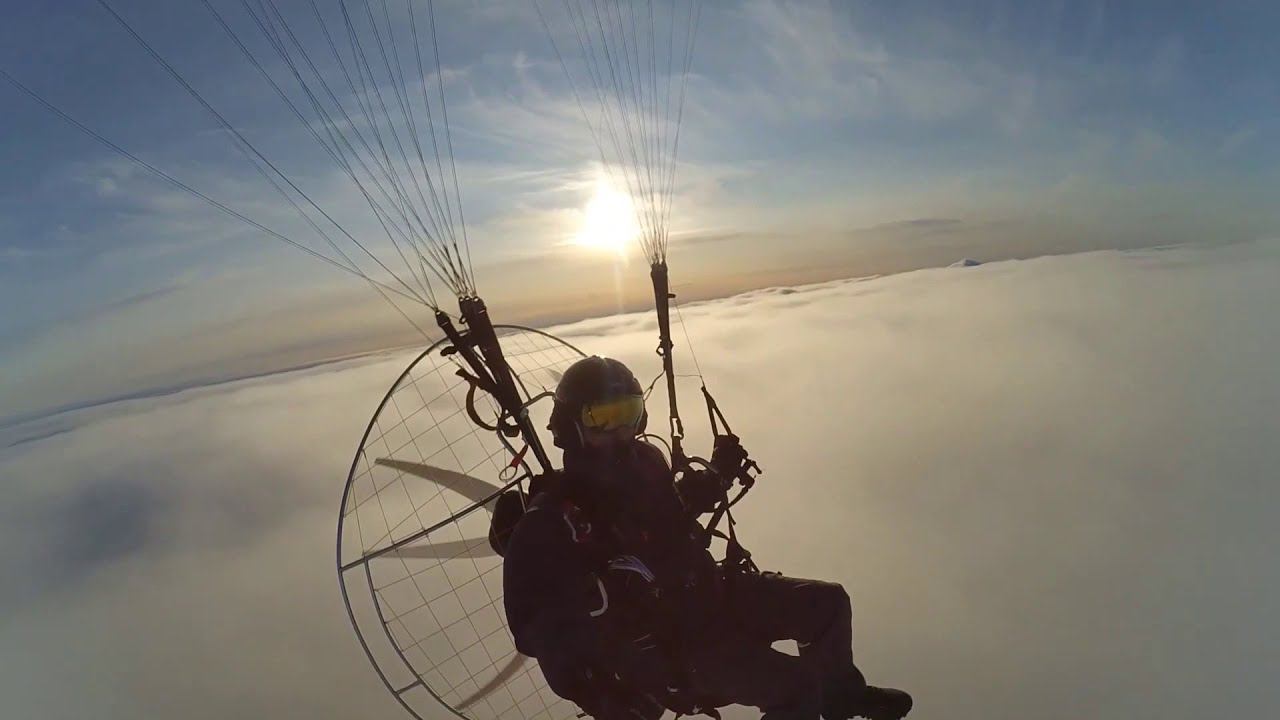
x=250, y=151
x=636, y=124
x=384, y=290
x=381, y=155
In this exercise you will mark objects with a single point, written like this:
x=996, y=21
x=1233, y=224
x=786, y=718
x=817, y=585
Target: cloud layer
x=1046, y=485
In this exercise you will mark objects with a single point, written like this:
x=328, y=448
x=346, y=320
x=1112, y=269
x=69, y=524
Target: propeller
x=505, y=673
x=475, y=490
x=452, y=550
x=472, y=488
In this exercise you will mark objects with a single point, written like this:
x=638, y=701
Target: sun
x=608, y=220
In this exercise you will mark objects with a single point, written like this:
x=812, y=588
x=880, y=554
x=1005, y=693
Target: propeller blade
x=472, y=488
x=505, y=673
x=477, y=548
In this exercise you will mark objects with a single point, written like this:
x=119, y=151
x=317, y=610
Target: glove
x=546, y=482
x=629, y=585
x=728, y=457
x=631, y=564
x=627, y=603
x=701, y=490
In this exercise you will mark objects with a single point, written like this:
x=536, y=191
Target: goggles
x=623, y=412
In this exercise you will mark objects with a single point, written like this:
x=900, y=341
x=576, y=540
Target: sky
x=819, y=140
x=1046, y=485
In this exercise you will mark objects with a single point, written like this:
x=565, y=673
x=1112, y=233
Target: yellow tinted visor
x=623, y=412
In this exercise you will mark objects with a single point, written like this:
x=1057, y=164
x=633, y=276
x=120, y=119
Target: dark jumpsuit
x=703, y=636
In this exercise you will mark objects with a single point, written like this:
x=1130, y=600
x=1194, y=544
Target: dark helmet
x=596, y=393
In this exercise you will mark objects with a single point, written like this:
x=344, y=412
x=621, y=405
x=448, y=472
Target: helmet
x=596, y=393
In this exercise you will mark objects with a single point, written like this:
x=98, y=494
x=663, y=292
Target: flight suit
x=685, y=635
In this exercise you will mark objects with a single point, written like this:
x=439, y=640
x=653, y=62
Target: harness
x=591, y=529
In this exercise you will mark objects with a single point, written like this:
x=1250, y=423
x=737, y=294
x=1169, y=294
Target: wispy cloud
x=811, y=129
x=14, y=254
x=1237, y=140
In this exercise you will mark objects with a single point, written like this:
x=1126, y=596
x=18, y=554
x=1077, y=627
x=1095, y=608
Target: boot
x=856, y=699
x=884, y=704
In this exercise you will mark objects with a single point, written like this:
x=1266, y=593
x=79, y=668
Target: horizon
x=547, y=322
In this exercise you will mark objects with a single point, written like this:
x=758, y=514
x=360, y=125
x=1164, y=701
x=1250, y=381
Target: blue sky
x=820, y=139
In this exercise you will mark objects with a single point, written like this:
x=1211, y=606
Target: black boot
x=884, y=704
x=867, y=701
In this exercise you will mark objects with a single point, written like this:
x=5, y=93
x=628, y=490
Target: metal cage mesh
x=422, y=585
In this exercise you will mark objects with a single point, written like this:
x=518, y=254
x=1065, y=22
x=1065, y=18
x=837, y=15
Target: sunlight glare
x=608, y=220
